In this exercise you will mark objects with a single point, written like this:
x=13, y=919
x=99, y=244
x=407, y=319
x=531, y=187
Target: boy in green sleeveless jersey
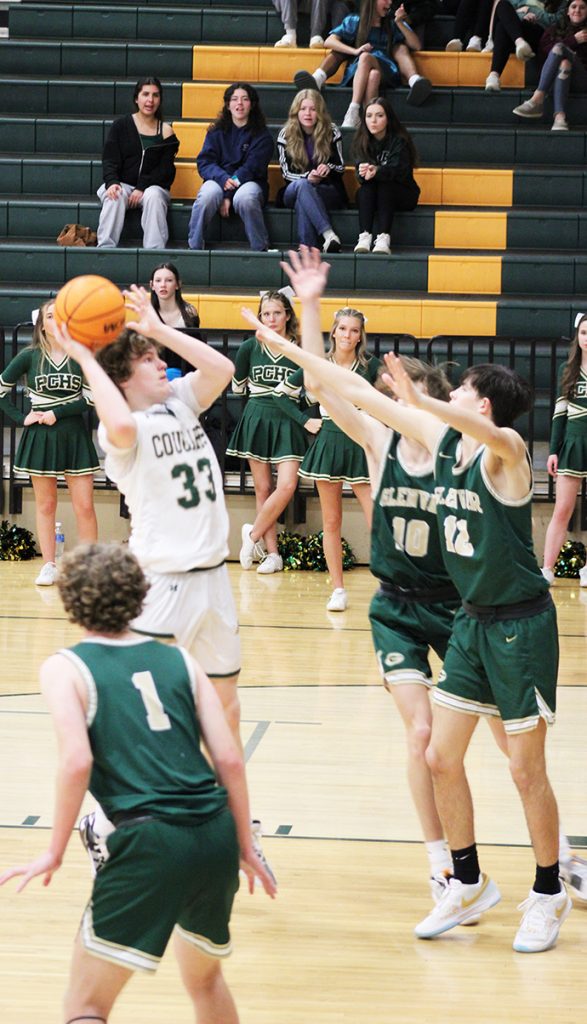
x=502, y=659
x=129, y=714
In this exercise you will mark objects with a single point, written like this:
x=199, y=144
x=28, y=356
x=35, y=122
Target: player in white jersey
x=161, y=460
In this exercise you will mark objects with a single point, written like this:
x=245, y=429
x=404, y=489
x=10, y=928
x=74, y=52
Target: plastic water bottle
x=59, y=541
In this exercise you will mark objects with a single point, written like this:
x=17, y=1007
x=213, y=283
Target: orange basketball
x=92, y=309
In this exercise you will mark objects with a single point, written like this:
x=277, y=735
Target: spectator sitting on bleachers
x=376, y=47
x=322, y=12
x=310, y=155
x=564, y=46
x=385, y=158
x=233, y=163
x=171, y=307
x=517, y=28
x=138, y=164
x=472, y=19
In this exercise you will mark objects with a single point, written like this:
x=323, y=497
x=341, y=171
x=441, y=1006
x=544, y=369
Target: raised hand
x=275, y=343
x=307, y=273
x=398, y=380
x=139, y=301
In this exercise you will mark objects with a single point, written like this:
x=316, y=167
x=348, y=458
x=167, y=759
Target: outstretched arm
x=213, y=370
x=504, y=443
x=354, y=388
x=308, y=276
x=230, y=769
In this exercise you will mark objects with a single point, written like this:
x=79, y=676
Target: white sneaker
x=574, y=873
x=364, y=242
x=454, y=46
x=488, y=48
x=272, y=563
x=289, y=40
x=492, y=83
x=316, y=42
x=257, y=834
x=352, y=118
x=331, y=241
x=382, y=244
x=438, y=886
x=474, y=45
x=542, y=920
x=337, y=601
x=548, y=575
x=250, y=549
x=458, y=904
x=524, y=51
x=47, y=575
x=583, y=576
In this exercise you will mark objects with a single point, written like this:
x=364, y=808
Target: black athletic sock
x=547, y=880
x=466, y=865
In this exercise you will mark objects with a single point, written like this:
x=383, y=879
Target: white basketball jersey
x=172, y=485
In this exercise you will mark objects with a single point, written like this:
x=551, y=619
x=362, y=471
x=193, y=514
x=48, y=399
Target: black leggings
x=506, y=29
x=377, y=202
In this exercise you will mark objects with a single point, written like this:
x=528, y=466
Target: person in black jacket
x=138, y=163
x=385, y=157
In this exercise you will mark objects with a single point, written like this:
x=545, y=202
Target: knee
x=365, y=59
x=331, y=522
x=84, y=507
x=564, y=69
x=263, y=492
x=441, y=762
x=154, y=195
x=47, y=506
x=249, y=200
x=286, y=489
x=419, y=732
x=527, y=774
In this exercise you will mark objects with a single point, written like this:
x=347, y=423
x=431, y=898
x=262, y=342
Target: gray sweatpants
x=153, y=221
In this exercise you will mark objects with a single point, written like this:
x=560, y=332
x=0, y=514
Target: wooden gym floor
x=326, y=771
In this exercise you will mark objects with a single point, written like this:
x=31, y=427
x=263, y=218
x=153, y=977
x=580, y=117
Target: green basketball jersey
x=405, y=542
x=144, y=731
x=487, y=540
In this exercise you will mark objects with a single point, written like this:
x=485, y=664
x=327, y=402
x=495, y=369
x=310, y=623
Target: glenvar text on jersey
x=174, y=442
x=412, y=497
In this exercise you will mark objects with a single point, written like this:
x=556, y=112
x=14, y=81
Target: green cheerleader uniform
x=267, y=431
x=66, y=447
x=568, y=437
x=333, y=456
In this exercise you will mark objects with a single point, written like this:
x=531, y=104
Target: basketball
x=92, y=309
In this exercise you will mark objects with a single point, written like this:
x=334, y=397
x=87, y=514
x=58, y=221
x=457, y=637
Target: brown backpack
x=76, y=234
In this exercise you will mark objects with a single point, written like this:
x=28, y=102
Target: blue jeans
x=312, y=204
x=248, y=202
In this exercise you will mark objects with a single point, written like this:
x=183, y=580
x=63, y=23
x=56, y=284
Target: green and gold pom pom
x=307, y=553
x=16, y=543
x=571, y=558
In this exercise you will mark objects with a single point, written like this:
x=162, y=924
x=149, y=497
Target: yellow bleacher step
x=456, y=229
x=267, y=64
x=439, y=186
x=468, y=275
x=421, y=317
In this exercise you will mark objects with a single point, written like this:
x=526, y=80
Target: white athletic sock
x=320, y=77
x=439, y=857
x=412, y=79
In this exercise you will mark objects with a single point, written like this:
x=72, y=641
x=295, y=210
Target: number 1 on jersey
x=157, y=720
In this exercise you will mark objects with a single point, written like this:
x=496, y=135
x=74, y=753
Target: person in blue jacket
x=233, y=165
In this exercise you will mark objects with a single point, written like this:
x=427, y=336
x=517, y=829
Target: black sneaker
x=304, y=80
x=419, y=92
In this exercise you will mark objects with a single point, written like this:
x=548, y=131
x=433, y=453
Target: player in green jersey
x=487, y=488
x=129, y=714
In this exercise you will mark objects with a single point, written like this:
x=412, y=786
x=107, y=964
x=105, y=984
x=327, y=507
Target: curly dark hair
x=102, y=587
x=117, y=359
x=223, y=120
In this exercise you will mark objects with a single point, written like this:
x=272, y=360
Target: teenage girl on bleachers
x=269, y=434
x=567, y=461
x=385, y=157
x=517, y=28
x=170, y=305
x=563, y=47
x=56, y=440
x=310, y=156
x=377, y=48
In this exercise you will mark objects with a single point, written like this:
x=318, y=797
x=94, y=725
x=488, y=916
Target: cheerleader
x=56, y=439
x=567, y=461
x=269, y=434
x=334, y=459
